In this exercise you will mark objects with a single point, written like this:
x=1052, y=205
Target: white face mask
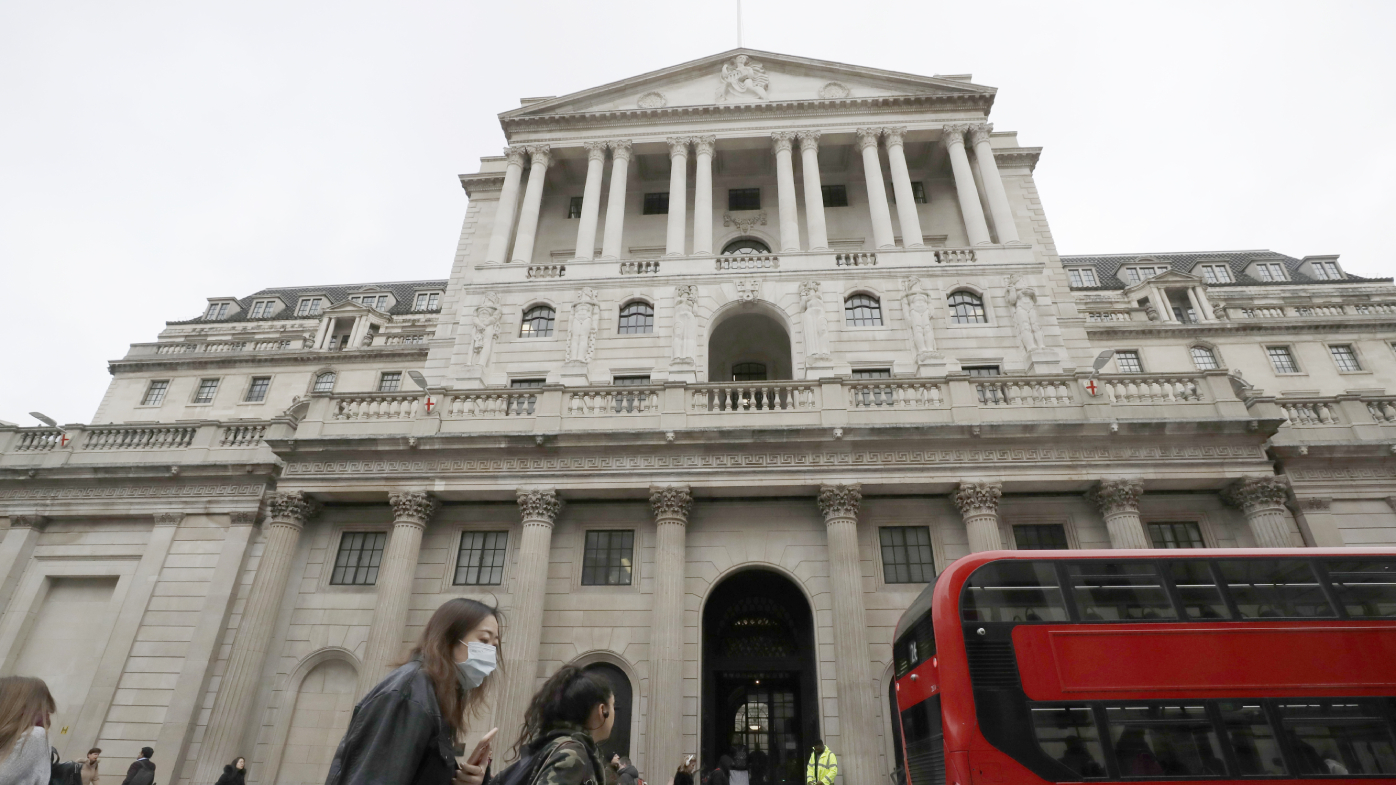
x=479, y=663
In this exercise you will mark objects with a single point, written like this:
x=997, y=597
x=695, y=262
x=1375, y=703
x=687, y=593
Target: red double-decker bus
x=1150, y=666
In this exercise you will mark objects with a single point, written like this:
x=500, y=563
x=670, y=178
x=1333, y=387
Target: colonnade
x=868, y=142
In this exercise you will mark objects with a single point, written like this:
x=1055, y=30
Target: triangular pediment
x=747, y=77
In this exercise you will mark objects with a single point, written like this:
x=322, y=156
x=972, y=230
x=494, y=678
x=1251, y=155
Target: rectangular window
x=1082, y=276
x=1013, y=591
x=257, y=391
x=1216, y=273
x=1282, y=359
x=525, y=383
x=1275, y=589
x=872, y=373
x=574, y=207
x=1119, y=591
x=918, y=192
x=1345, y=357
x=390, y=381
x=1040, y=537
x=982, y=370
x=1334, y=737
x=835, y=195
x=1197, y=588
x=1367, y=589
x=1178, y=735
x=630, y=381
x=1132, y=275
x=309, y=306
x=906, y=554
x=1176, y=534
x=1204, y=358
x=1326, y=271
x=481, y=558
x=155, y=393
x=263, y=309
x=360, y=553
x=656, y=204
x=1127, y=361
x=1270, y=271
x=1069, y=734
x=1252, y=739
x=608, y=557
x=427, y=301
x=207, y=389
x=743, y=198
x=217, y=311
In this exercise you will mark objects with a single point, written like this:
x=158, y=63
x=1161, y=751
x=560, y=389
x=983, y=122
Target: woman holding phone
x=404, y=731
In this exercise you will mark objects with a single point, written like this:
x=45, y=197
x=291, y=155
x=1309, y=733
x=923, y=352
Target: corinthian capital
x=620, y=150
x=979, y=132
x=678, y=146
x=671, y=502
x=515, y=154
x=867, y=137
x=953, y=134
x=892, y=135
x=1116, y=496
x=413, y=507
x=539, y=504
x=596, y=151
x=809, y=140
x=293, y=508
x=703, y=145
x=840, y=501
x=1257, y=493
x=541, y=154
x=782, y=141
x=978, y=498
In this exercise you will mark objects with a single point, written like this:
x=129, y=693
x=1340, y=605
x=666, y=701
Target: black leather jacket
x=397, y=736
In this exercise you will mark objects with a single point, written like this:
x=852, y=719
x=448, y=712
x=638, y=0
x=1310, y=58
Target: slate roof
x=1108, y=267
x=404, y=292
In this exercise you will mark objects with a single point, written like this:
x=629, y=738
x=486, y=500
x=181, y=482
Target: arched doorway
x=748, y=344
x=745, y=246
x=620, y=732
x=759, y=678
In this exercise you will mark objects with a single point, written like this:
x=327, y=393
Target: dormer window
x=378, y=301
x=1081, y=276
x=1270, y=271
x=427, y=301
x=1326, y=271
x=1134, y=275
x=309, y=306
x=263, y=309
x=1216, y=273
x=217, y=311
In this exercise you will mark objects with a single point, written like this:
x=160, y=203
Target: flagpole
x=739, y=24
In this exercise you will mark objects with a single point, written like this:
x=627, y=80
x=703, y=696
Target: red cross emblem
x=63, y=440
x=430, y=403
x=1092, y=387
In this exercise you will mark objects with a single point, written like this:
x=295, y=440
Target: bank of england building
x=733, y=357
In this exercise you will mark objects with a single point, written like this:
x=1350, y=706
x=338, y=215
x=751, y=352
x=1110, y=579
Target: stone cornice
x=1305, y=324
x=481, y=183
x=177, y=362
x=1017, y=156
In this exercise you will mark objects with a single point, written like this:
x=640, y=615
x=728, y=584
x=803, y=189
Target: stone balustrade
x=376, y=406
x=745, y=397
x=896, y=394
x=139, y=437
x=1095, y=317
x=493, y=404
x=1301, y=413
x=748, y=262
x=1149, y=388
x=242, y=435
x=1383, y=410
x=1024, y=392
x=240, y=441
x=601, y=401
x=536, y=271
x=955, y=255
x=640, y=267
x=38, y=440
x=855, y=259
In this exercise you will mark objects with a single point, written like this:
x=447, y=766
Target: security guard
x=823, y=766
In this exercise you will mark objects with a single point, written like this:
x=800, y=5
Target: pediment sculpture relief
x=743, y=79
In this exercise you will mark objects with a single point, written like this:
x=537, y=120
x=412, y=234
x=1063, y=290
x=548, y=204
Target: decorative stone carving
x=978, y=498
x=620, y=150
x=538, y=504
x=742, y=78
x=36, y=522
x=748, y=289
x=652, y=100
x=1025, y=319
x=815, y=322
x=515, y=154
x=832, y=90
x=678, y=146
x=413, y=507
x=685, y=340
x=867, y=137
x=1319, y=503
x=245, y=518
x=892, y=136
x=809, y=140
x=1116, y=496
x=581, y=334
x=840, y=501
x=953, y=134
x=671, y=502
x=979, y=132
x=1257, y=493
x=596, y=151
x=744, y=222
x=485, y=330
x=704, y=145
x=540, y=154
x=919, y=309
x=168, y=518
x=782, y=141
x=293, y=507
x=308, y=341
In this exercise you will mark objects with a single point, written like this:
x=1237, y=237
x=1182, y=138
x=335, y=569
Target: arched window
x=862, y=310
x=636, y=316
x=324, y=382
x=749, y=372
x=745, y=245
x=967, y=308
x=538, y=322
x=1204, y=358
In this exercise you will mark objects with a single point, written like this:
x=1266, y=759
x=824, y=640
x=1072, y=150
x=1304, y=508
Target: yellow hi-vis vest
x=822, y=767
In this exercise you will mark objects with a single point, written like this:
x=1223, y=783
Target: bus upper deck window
x=1366, y=589
x=1275, y=588
x=1010, y=591
x=1197, y=589
x=1119, y=591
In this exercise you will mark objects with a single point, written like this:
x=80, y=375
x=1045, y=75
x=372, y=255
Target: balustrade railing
x=640, y=267
x=954, y=255
x=855, y=259
x=1383, y=410
x=613, y=400
x=1152, y=389
x=405, y=339
x=1367, y=309
x=1025, y=392
x=753, y=397
x=39, y=440
x=1300, y=413
x=1107, y=316
x=748, y=262
x=242, y=435
x=270, y=346
x=1263, y=312
x=547, y=270
x=146, y=437
x=895, y=395
x=490, y=405
x=375, y=406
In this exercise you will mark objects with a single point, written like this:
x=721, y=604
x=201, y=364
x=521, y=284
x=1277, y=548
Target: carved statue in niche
x=740, y=77
x=1025, y=319
x=581, y=335
x=918, y=304
x=815, y=322
x=685, y=346
x=485, y=330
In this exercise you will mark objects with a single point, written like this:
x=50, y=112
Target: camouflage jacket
x=573, y=762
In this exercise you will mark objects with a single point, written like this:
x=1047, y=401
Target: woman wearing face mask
x=566, y=718
x=404, y=730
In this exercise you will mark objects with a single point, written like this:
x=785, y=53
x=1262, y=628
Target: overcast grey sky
x=156, y=154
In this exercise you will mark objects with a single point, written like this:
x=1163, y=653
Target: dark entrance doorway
x=620, y=732
x=759, y=687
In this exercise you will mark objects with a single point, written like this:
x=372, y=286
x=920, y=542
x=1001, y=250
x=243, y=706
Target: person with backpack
x=234, y=773
x=89, y=766
x=823, y=766
x=404, y=731
x=739, y=773
x=573, y=711
x=26, y=708
x=142, y=772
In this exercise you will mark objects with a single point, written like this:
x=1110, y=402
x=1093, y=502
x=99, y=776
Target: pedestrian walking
x=142, y=771
x=89, y=766
x=627, y=774
x=823, y=766
x=234, y=773
x=404, y=730
x=565, y=720
x=26, y=708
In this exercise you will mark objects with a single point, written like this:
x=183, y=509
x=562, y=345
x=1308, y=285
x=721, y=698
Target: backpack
x=69, y=773
x=739, y=759
x=525, y=770
x=146, y=776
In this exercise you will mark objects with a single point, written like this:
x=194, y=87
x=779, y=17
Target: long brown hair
x=569, y=696
x=436, y=649
x=23, y=701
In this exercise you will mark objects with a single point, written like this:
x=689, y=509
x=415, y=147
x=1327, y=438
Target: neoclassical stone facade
x=732, y=358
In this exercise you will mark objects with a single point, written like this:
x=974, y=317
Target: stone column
x=1206, y=304
x=901, y=186
x=671, y=505
x=857, y=712
x=1161, y=303
x=953, y=137
x=993, y=183
x=508, y=202
x=1262, y=499
x=678, y=195
x=223, y=741
x=591, y=200
x=877, y=192
x=781, y=142
x=15, y=551
x=615, y=203
x=702, y=194
x=1203, y=315
x=538, y=507
x=532, y=202
x=815, y=231
x=411, y=512
x=979, y=504
x=1118, y=501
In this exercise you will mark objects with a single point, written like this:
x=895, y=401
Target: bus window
x=1175, y=740
x=1013, y=591
x=925, y=742
x=1119, y=591
x=1252, y=739
x=1069, y=735
x=1197, y=589
x=1339, y=736
x=1365, y=589
x=1274, y=588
